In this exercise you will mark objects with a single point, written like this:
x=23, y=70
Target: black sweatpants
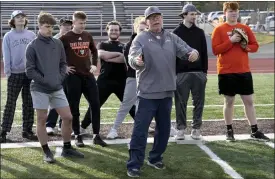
x=76, y=86
x=106, y=87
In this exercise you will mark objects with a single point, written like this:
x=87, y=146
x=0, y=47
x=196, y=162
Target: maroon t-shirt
x=77, y=48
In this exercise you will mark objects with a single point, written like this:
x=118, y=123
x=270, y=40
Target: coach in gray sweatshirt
x=153, y=55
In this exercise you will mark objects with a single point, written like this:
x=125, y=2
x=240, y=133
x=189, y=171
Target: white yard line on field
x=173, y=121
x=270, y=144
x=188, y=140
x=225, y=166
x=205, y=106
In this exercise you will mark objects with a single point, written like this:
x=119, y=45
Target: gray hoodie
x=46, y=64
x=14, y=46
x=157, y=78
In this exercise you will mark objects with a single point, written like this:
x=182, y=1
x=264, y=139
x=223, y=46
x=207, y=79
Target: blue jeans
x=147, y=109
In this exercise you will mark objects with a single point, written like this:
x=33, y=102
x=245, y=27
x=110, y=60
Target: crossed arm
x=115, y=57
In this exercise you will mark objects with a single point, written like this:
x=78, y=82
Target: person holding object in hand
x=231, y=43
x=153, y=55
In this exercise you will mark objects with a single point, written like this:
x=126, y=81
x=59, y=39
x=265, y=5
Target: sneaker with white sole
x=173, y=132
x=196, y=134
x=112, y=134
x=50, y=130
x=180, y=135
x=157, y=165
x=134, y=173
x=59, y=129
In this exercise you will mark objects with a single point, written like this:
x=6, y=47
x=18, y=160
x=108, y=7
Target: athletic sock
x=254, y=128
x=67, y=145
x=229, y=127
x=45, y=148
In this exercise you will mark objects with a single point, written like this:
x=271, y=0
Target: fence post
x=1, y=29
x=114, y=10
x=267, y=22
x=132, y=22
x=34, y=22
x=101, y=24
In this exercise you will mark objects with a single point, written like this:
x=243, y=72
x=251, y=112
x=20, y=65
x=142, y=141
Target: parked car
x=269, y=20
x=215, y=15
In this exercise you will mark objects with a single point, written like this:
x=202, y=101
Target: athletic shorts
x=235, y=83
x=53, y=100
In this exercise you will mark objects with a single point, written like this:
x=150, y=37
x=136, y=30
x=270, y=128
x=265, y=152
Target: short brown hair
x=12, y=25
x=139, y=20
x=230, y=5
x=46, y=18
x=113, y=23
x=79, y=15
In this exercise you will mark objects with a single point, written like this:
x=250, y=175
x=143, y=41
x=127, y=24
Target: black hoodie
x=195, y=38
x=130, y=72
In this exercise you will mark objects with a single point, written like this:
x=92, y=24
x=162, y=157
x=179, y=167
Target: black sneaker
x=48, y=157
x=71, y=152
x=133, y=173
x=99, y=141
x=259, y=136
x=79, y=141
x=230, y=135
x=157, y=165
x=29, y=135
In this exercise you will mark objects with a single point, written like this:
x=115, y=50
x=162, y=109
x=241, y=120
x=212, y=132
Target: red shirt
x=231, y=58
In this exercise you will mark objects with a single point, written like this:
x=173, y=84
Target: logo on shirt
x=79, y=38
x=23, y=41
x=81, y=49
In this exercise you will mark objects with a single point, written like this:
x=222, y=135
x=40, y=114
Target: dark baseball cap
x=16, y=13
x=65, y=20
x=188, y=8
x=151, y=10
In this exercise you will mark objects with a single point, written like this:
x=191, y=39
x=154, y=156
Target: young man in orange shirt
x=234, y=73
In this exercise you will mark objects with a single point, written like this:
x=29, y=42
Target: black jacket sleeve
x=126, y=52
x=204, y=53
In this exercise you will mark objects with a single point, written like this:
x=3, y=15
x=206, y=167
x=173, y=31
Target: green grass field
x=264, y=38
x=250, y=159
x=264, y=94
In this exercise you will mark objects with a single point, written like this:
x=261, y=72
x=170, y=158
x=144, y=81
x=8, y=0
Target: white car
x=270, y=20
x=215, y=15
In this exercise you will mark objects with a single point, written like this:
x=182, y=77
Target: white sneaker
x=59, y=129
x=151, y=130
x=83, y=131
x=72, y=134
x=50, y=131
x=180, y=135
x=112, y=134
x=173, y=132
x=196, y=134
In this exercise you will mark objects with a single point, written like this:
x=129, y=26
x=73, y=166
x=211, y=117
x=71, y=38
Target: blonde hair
x=138, y=20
